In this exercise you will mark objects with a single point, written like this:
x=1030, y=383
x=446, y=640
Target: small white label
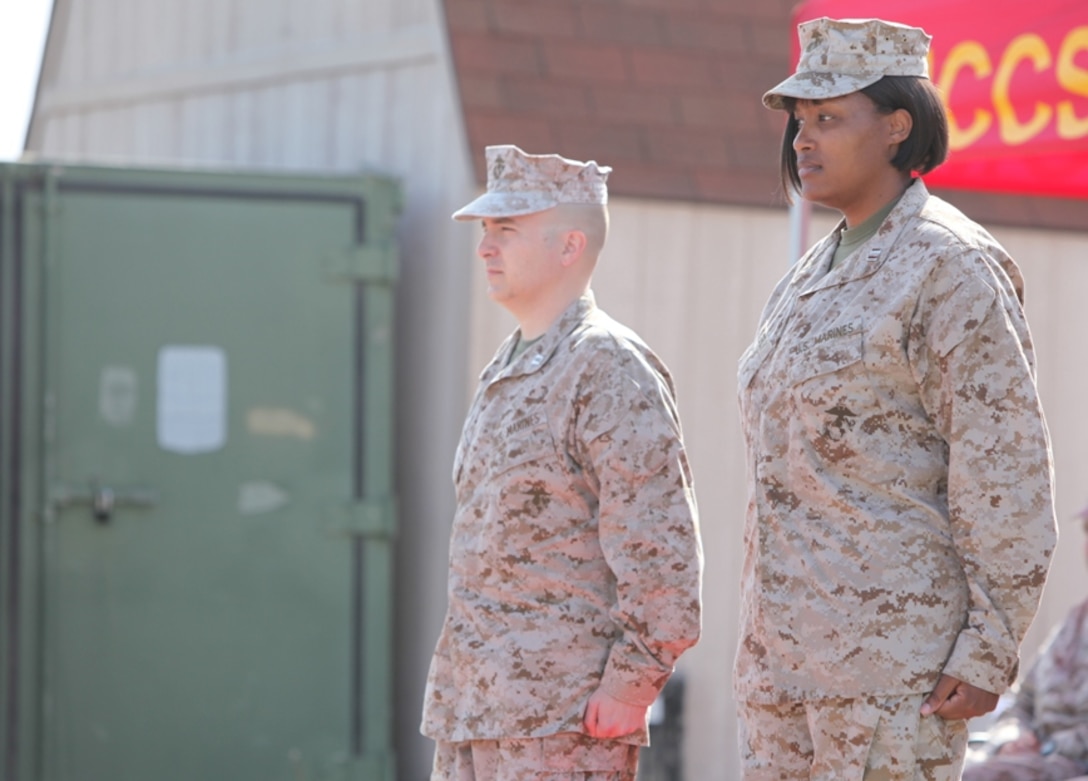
x=260, y=496
x=117, y=395
x=192, y=399
x=279, y=422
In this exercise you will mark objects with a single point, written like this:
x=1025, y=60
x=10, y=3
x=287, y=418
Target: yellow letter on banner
x=966, y=54
x=1023, y=47
x=1074, y=80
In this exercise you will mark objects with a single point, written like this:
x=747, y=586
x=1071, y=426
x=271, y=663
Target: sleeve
x=1072, y=743
x=628, y=433
x=975, y=361
x=1021, y=712
x=1066, y=658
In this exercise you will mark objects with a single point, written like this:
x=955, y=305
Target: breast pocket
x=521, y=443
x=508, y=448
x=523, y=490
x=833, y=397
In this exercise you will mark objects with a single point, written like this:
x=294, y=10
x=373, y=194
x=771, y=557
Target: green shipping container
x=196, y=495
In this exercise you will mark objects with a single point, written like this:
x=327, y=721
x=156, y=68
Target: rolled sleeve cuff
x=978, y=663
x=633, y=685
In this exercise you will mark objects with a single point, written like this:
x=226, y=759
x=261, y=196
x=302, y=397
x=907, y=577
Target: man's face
x=522, y=258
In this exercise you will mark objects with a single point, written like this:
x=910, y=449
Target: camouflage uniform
x=565, y=757
x=575, y=558
x=1052, y=702
x=900, y=513
x=840, y=56
x=836, y=739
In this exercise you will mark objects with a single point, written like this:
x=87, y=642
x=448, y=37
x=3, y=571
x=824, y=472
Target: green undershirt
x=522, y=346
x=852, y=238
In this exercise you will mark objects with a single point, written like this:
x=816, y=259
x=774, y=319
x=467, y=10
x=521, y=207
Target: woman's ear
x=900, y=123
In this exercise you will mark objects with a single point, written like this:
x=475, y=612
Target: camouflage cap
x=520, y=183
x=840, y=56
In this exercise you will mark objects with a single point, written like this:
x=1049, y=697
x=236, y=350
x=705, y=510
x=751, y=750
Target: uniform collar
x=534, y=358
x=867, y=258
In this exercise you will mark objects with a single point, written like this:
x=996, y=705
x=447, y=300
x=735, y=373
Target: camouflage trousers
x=870, y=739
x=1024, y=767
x=563, y=757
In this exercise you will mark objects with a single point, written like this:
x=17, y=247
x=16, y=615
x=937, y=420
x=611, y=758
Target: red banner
x=1014, y=78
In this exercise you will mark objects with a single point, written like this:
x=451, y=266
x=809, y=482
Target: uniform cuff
x=977, y=663
x=634, y=686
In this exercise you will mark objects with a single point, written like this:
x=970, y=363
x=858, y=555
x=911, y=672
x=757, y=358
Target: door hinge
x=374, y=766
x=373, y=262
x=366, y=518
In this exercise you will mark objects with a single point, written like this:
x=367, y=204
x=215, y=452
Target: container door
x=199, y=421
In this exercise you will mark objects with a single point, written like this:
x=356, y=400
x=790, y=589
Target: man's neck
x=535, y=323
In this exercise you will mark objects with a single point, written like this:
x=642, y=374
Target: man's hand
x=951, y=698
x=607, y=717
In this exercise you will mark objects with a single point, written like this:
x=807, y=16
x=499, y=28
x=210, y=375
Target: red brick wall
x=665, y=91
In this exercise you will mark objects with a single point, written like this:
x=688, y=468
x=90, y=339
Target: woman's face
x=844, y=151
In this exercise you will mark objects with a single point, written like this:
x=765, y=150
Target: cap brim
x=817, y=86
x=505, y=205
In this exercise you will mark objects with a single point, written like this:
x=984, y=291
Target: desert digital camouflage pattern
x=885, y=738
x=574, y=556
x=900, y=517
x=566, y=757
x=520, y=183
x=840, y=56
x=1052, y=699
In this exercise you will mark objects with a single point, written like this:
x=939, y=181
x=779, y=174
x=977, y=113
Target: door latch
x=102, y=499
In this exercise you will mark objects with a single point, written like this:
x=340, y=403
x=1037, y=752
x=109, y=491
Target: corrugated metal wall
x=320, y=85
x=692, y=281
x=341, y=84
x=324, y=85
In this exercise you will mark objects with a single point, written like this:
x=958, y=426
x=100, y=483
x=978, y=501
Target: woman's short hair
x=924, y=149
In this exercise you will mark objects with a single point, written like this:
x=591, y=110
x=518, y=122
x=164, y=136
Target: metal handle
x=103, y=499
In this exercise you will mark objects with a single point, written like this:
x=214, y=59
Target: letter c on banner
x=1028, y=46
x=1074, y=80
x=967, y=54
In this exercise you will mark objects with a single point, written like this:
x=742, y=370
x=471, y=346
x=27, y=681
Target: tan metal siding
x=692, y=280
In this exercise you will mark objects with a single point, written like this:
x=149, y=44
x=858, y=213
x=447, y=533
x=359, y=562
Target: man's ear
x=574, y=246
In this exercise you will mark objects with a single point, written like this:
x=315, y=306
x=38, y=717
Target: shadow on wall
x=662, y=760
